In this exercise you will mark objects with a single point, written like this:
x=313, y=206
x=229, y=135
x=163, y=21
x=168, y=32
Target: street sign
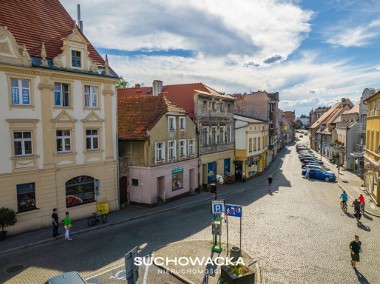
x=131, y=270
x=234, y=210
x=217, y=206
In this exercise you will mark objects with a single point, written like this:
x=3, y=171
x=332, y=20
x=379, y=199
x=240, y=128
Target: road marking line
x=146, y=271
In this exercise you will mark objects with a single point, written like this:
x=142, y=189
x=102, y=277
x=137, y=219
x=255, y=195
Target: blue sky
x=312, y=52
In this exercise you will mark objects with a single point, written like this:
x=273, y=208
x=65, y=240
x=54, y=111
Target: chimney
x=80, y=23
x=157, y=87
x=137, y=86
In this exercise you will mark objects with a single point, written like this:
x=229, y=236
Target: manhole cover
x=15, y=268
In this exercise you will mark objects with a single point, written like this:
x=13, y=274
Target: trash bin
x=235, y=253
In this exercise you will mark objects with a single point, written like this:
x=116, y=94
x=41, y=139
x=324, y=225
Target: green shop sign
x=177, y=170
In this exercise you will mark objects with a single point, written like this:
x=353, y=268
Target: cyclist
x=270, y=179
x=362, y=202
x=356, y=205
x=344, y=198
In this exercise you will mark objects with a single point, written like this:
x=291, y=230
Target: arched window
x=80, y=190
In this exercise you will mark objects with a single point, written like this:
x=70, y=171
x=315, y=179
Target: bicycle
x=96, y=218
x=343, y=205
x=362, y=205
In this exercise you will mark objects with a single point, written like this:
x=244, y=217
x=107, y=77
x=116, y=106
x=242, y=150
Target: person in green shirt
x=67, y=224
x=355, y=249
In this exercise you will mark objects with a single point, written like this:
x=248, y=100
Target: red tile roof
x=181, y=94
x=35, y=21
x=138, y=114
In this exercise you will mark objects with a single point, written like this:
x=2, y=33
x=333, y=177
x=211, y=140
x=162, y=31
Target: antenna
x=78, y=18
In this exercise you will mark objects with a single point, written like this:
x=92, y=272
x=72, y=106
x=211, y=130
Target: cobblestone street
x=298, y=234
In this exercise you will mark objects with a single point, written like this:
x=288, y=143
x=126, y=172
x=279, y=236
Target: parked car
x=320, y=174
x=308, y=161
x=72, y=277
x=307, y=158
x=306, y=155
x=301, y=149
x=317, y=166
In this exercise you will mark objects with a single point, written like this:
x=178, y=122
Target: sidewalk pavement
x=352, y=184
x=40, y=236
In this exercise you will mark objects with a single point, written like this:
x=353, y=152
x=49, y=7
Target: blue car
x=317, y=173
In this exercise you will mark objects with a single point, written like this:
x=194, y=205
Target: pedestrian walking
x=54, y=220
x=67, y=223
x=355, y=249
x=270, y=179
x=338, y=166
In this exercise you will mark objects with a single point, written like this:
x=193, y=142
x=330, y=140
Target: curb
x=263, y=177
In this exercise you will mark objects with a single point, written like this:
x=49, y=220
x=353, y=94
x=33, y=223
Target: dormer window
x=75, y=58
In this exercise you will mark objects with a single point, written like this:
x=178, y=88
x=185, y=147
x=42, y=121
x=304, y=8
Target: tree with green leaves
x=122, y=84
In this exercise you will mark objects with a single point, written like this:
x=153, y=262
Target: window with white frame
x=61, y=95
x=20, y=91
x=182, y=148
x=160, y=151
x=229, y=134
x=182, y=123
x=191, y=147
x=250, y=145
x=22, y=141
x=75, y=58
x=90, y=96
x=221, y=135
x=92, y=139
x=213, y=135
x=205, y=136
x=171, y=123
x=171, y=150
x=63, y=141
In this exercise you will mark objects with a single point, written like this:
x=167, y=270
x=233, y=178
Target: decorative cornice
x=57, y=74
x=22, y=120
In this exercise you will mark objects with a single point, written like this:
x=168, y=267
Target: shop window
x=80, y=190
x=177, y=178
x=26, y=197
x=135, y=182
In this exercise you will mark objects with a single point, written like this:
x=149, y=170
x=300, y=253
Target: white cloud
x=358, y=36
x=221, y=29
x=224, y=38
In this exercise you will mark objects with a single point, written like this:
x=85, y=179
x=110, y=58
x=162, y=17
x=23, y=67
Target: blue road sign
x=217, y=206
x=234, y=210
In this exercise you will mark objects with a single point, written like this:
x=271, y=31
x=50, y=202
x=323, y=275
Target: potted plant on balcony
x=7, y=218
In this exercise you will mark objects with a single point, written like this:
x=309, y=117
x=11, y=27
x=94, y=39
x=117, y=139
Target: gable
x=10, y=51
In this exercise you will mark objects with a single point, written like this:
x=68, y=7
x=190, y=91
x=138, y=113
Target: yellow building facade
x=58, y=131
x=251, y=145
x=372, y=151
